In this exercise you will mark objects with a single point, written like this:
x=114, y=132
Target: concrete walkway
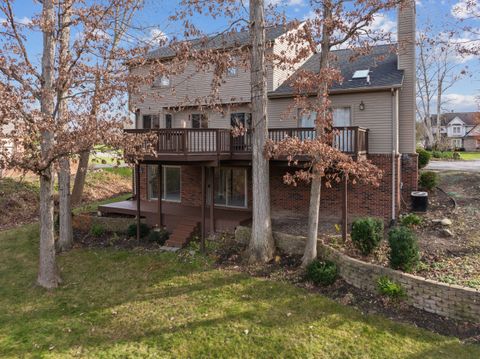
x=463, y=166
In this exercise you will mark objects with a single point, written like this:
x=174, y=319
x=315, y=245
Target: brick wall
x=363, y=200
x=447, y=300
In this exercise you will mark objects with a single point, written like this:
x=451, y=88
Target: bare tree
x=439, y=68
x=261, y=246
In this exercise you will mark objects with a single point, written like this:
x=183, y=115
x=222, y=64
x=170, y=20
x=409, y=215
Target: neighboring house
x=199, y=162
x=460, y=129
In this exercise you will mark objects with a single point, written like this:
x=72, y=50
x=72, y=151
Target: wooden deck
x=218, y=144
x=173, y=213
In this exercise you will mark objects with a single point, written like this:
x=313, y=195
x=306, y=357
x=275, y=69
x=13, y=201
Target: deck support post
x=204, y=185
x=212, y=201
x=345, y=209
x=137, y=195
x=159, y=194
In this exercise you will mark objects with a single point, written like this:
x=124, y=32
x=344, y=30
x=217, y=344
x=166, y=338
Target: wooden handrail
x=350, y=139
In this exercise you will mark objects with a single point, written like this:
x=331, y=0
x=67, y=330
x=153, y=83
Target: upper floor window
x=241, y=119
x=232, y=71
x=457, y=129
x=151, y=121
x=168, y=120
x=162, y=81
x=199, y=120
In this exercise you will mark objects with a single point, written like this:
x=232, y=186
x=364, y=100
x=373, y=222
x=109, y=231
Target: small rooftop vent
x=360, y=74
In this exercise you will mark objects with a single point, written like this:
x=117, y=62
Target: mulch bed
x=287, y=268
x=111, y=240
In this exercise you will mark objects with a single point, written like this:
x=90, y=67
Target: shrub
x=132, y=230
x=423, y=157
x=456, y=156
x=428, y=180
x=389, y=288
x=97, y=230
x=159, y=237
x=367, y=234
x=322, y=273
x=404, y=253
x=435, y=154
x=410, y=220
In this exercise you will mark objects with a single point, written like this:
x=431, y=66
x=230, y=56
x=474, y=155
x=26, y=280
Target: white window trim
x=159, y=82
x=231, y=68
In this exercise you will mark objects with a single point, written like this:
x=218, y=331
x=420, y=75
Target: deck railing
x=352, y=140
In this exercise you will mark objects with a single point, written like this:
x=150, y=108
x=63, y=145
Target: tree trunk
x=439, y=113
x=47, y=271
x=65, y=238
x=261, y=246
x=310, y=252
x=80, y=177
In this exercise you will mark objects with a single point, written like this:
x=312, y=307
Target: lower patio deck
x=225, y=219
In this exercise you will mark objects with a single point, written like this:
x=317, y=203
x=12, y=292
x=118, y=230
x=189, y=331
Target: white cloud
x=24, y=20
x=460, y=102
x=155, y=37
x=383, y=24
x=286, y=2
x=465, y=9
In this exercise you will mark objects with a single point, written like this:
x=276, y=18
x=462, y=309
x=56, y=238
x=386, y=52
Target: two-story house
x=460, y=129
x=202, y=173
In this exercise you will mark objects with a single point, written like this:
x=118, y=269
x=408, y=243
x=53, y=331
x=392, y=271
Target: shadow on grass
x=119, y=303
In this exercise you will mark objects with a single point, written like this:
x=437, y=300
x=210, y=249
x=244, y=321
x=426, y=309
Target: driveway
x=464, y=166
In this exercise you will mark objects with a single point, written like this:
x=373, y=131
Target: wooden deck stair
x=183, y=232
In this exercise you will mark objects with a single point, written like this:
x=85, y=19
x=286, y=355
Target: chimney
x=406, y=62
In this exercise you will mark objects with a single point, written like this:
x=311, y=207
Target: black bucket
x=419, y=201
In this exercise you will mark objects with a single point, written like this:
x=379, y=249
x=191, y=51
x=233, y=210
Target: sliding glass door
x=231, y=187
x=171, y=183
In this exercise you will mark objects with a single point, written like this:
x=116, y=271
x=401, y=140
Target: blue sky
x=438, y=14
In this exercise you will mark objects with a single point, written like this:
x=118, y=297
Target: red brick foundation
x=363, y=200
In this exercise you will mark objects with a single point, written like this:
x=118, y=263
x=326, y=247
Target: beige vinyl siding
x=188, y=87
x=377, y=116
x=406, y=62
x=281, y=47
x=216, y=119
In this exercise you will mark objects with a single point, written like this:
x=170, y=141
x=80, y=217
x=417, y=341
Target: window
x=199, y=120
x=162, y=81
x=241, y=119
x=342, y=117
x=360, y=74
x=171, y=183
x=232, y=72
x=457, y=143
x=231, y=186
x=456, y=130
x=151, y=121
x=168, y=120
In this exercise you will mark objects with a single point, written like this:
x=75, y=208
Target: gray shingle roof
x=470, y=118
x=381, y=61
x=223, y=41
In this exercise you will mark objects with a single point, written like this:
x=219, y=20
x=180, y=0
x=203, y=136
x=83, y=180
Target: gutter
x=272, y=94
x=394, y=111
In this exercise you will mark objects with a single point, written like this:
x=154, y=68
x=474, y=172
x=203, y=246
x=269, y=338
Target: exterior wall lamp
x=361, y=106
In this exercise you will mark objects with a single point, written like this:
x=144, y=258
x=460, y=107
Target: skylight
x=360, y=74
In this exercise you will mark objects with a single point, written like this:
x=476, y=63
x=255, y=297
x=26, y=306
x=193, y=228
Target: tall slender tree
x=261, y=246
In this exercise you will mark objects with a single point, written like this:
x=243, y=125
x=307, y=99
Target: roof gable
x=468, y=118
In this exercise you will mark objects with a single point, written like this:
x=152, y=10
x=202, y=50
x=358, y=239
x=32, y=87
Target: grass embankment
x=19, y=201
x=116, y=303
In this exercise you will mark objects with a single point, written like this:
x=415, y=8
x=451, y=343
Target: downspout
x=394, y=154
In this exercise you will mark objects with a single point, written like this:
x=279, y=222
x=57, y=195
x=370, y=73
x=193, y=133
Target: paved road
x=465, y=166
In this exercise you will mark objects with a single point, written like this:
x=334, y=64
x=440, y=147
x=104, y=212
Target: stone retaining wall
x=85, y=221
x=447, y=300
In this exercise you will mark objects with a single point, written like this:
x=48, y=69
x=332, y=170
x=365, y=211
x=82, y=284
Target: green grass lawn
x=463, y=155
x=119, y=304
